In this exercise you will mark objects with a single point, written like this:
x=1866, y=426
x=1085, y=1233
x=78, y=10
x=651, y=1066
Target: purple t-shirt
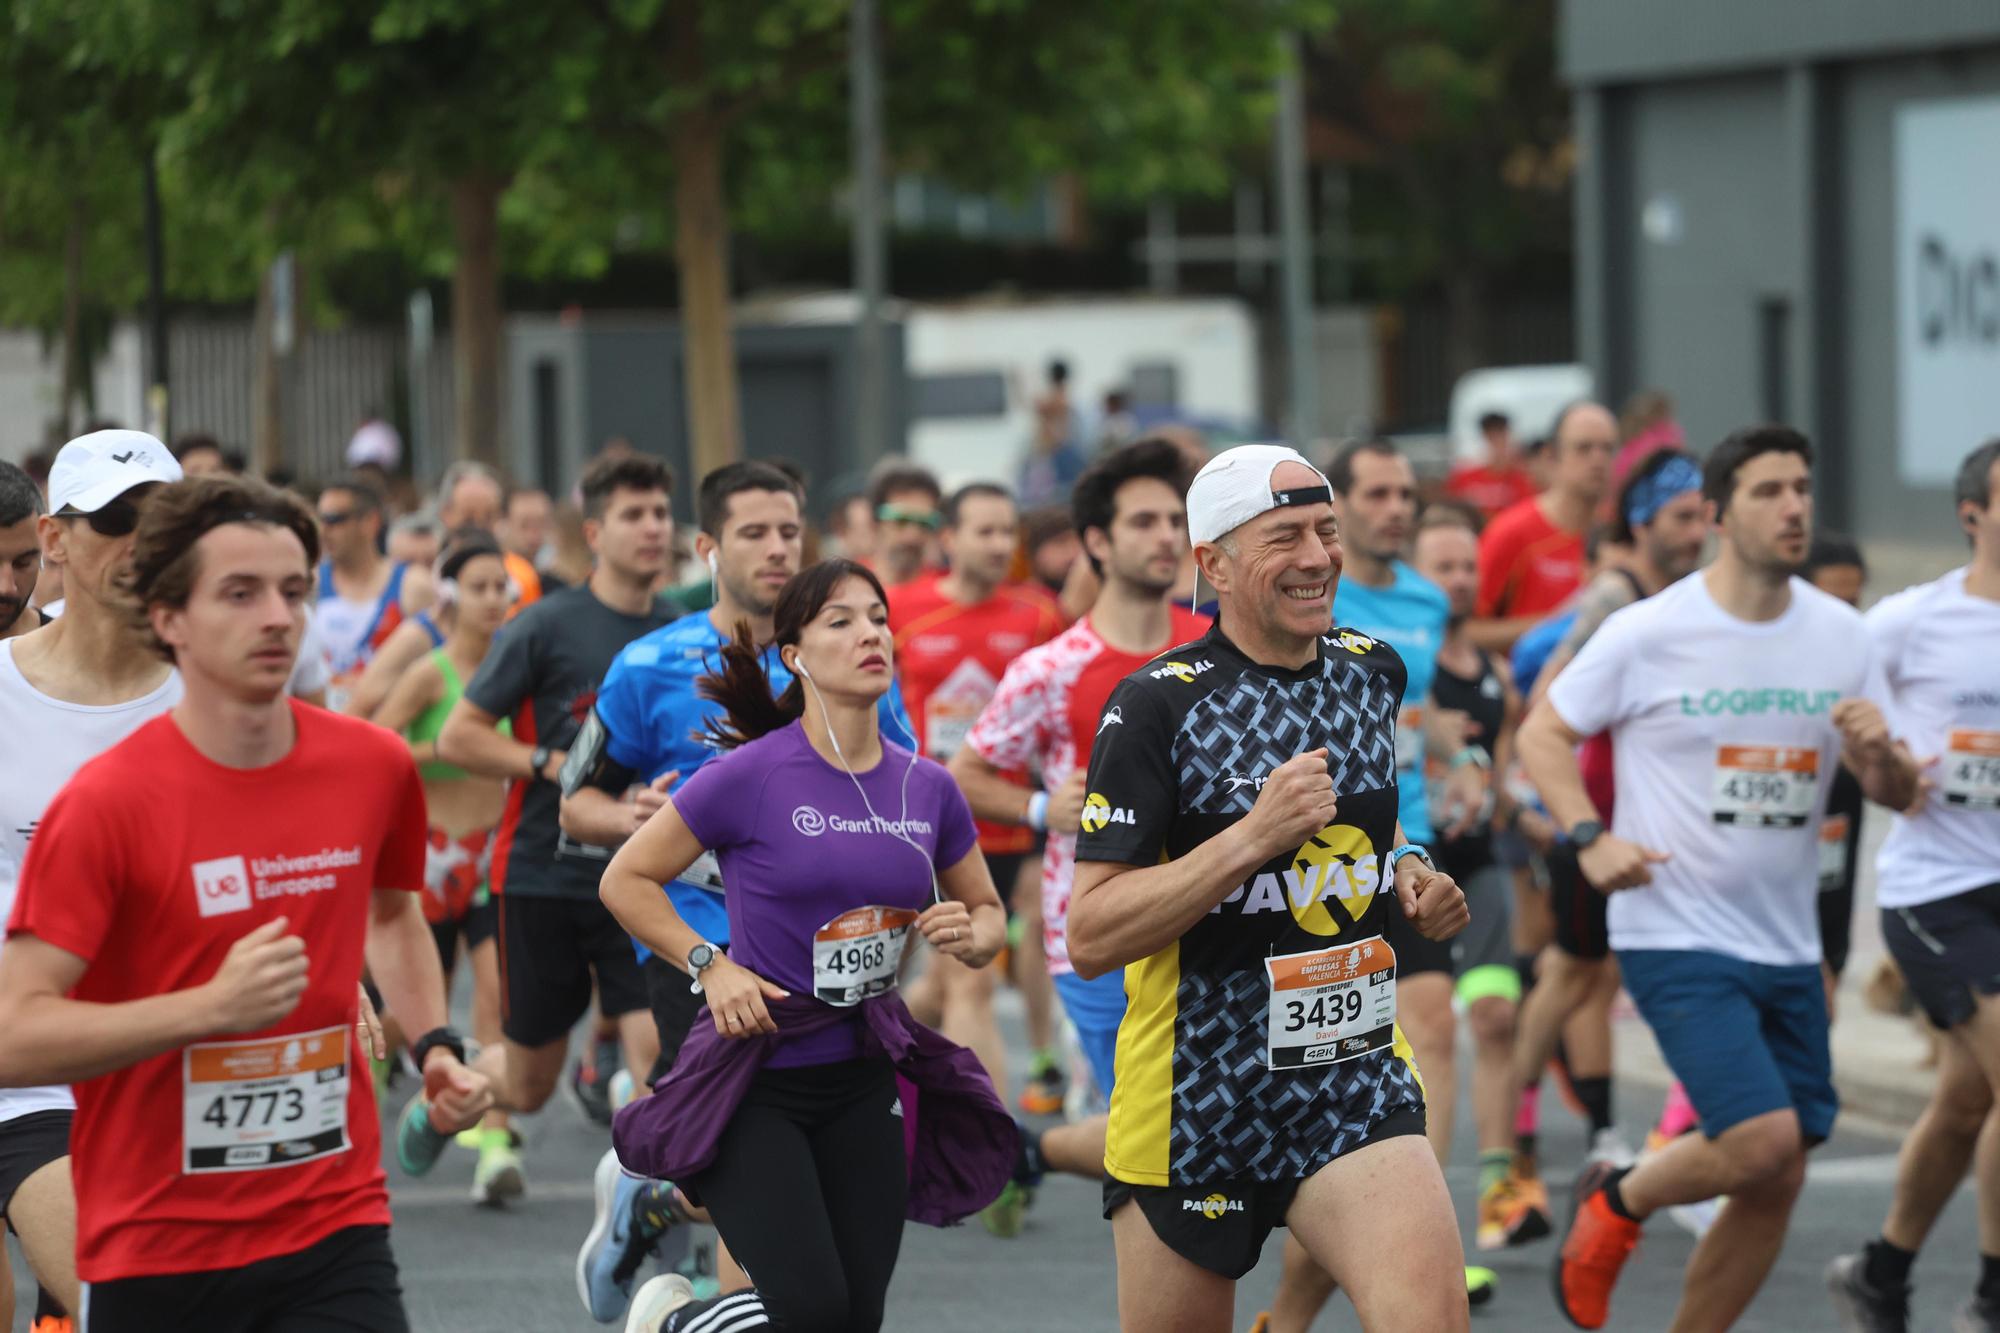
x=799, y=847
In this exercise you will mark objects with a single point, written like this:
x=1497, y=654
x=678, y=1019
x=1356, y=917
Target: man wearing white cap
x=1240, y=854
x=67, y=693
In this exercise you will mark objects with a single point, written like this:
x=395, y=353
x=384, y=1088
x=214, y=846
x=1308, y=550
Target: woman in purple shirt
x=835, y=845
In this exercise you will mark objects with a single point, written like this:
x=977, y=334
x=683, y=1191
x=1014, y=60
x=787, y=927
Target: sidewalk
x=1875, y=1060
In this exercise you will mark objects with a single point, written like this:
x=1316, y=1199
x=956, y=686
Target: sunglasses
x=923, y=518
x=116, y=519
x=327, y=520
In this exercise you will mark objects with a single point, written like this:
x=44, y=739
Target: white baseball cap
x=93, y=470
x=1235, y=486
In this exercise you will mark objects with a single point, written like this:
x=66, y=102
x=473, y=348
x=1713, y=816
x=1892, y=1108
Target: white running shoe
x=623, y=1090
x=1697, y=1218
x=1607, y=1146
x=652, y=1303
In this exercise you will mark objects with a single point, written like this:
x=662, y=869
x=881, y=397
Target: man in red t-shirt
x=955, y=634
x=186, y=948
x=1531, y=556
x=1499, y=483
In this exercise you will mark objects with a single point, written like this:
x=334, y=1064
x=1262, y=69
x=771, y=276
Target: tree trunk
x=475, y=318
x=1465, y=338
x=701, y=249
x=73, y=367
x=266, y=403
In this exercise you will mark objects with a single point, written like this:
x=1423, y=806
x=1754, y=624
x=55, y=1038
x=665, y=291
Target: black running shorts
x=27, y=1144
x=346, y=1281
x=1579, y=909
x=1949, y=951
x=550, y=948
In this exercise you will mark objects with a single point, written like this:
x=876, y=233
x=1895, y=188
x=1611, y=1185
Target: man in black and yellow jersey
x=1240, y=856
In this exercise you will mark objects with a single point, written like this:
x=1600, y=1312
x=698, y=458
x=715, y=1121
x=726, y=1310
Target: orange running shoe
x=1595, y=1249
x=1512, y=1212
x=50, y=1323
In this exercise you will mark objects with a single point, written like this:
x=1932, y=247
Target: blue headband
x=1676, y=476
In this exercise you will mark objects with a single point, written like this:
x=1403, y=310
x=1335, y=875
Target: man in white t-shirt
x=1938, y=885
x=68, y=692
x=1730, y=697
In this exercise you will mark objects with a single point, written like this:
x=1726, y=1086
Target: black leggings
x=808, y=1190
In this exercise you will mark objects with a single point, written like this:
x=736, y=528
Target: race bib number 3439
x=1331, y=1004
x=274, y=1101
x=1764, y=786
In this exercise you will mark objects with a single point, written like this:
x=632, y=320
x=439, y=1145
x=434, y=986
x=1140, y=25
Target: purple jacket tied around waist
x=962, y=1143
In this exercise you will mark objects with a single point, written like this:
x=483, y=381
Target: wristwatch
x=1584, y=832
x=700, y=959
x=436, y=1037
x=539, y=758
x=1410, y=849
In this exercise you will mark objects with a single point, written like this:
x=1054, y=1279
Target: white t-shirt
x=311, y=674
x=47, y=740
x=1724, y=747
x=1938, y=645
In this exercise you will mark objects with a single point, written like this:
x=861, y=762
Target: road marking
x=1874, y=1169
x=433, y=1196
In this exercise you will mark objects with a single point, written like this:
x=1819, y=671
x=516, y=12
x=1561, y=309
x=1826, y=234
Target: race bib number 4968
x=273, y=1101
x=856, y=954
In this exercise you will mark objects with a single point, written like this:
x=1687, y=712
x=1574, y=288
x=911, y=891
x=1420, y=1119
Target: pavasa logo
x=1181, y=671
x=809, y=821
x=1213, y=1207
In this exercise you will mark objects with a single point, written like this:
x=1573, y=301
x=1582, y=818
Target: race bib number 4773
x=269, y=1102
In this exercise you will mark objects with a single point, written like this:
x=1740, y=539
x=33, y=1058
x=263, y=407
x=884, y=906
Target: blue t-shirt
x=1533, y=650
x=1410, y=616
x=654, y=722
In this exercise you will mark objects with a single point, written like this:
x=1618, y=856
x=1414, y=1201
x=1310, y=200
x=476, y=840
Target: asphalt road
x=473, y=1270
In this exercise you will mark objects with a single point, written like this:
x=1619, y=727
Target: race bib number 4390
x=1764, y=786
x=1331, y=1004
x=856, y=954
x=274, y=1101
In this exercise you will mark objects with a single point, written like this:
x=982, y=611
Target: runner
x=1836, y=568
x=647, y=731
x=471, y=495
x=1729, y=698
x=1262, y=1080
x=187, y=945
x=542, y=675
x=1531, y=556
x=1049, y=709
x=1513, y=1208
x=1938, y=885
x=526, y=531
x=362, y=595
x=956, y=633
x=475, y=593
x=1661, y=522
x=20, y=551
x=905, y=500
x=1500, y=481
x=783, y=1114
x=65, y=696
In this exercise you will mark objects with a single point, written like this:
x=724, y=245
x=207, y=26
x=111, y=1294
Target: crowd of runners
x=1279, y=787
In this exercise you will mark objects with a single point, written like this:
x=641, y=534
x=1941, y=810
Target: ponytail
x=744, y=691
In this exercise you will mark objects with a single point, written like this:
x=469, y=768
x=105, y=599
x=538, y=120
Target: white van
x=1531, y=396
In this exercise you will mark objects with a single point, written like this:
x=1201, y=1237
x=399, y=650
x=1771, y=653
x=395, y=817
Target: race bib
x=1409, y=739
x=1331, y=1004
x=856, y=954
x=704, y=872
x=1764, y=786
x=946, y=725
x=1972, y=769
x=273, y=1101
x=1832, y=852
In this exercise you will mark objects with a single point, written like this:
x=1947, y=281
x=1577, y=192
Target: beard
x=10, y=611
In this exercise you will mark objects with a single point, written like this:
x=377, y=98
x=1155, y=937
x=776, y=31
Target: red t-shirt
x=1488, y=490
x=149, y=865
x=951, y=656
x=1527, y=565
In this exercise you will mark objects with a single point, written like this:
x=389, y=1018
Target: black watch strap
x=436, y=1037
x=1585, y=832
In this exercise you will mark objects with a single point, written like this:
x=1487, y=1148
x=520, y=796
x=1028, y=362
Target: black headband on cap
x=1302, y=495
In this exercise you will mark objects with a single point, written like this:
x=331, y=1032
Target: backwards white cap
x=1235, y=486
x=93, y=470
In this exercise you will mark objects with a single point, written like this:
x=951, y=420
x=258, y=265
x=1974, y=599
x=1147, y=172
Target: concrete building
x=1790, y=210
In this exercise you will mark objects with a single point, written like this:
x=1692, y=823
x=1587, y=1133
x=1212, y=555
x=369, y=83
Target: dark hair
x=1830, y=550
x=187, y=444
x=1093, y=501
x=1058, y=370
x=622, y=472
x=742, y=686
x=711, y=506
x=19, y=496
x=366, y=492
x=973, y=491
x=1621, y=526
x=174, y=519
x=1493, y=421
x=1041, y=526
x=1448, y=513
x=1340, y=471
x=902, y=476
x=461, y=546
x=1975, y=477
x=1718, y=475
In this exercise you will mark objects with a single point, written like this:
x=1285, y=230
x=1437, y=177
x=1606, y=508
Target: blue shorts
x=1096, y=1007
x=1743, y=1038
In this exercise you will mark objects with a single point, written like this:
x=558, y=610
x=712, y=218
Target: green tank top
x=431, y=721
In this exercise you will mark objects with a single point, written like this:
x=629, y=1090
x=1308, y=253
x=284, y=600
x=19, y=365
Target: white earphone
x=712, y=571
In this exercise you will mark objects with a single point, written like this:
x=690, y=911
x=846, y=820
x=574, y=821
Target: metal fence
x=1520, y=331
